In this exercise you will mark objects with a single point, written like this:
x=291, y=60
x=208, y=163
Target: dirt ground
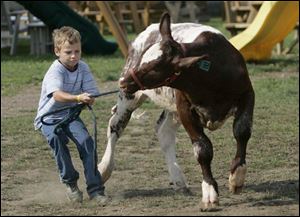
x=139, y=184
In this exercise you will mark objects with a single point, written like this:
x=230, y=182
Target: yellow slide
x=273, y=22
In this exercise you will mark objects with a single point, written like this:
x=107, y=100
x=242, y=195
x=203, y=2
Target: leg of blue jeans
x=86, y=147
x=58, y=143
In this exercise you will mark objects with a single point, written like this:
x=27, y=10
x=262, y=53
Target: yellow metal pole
x=114, y=26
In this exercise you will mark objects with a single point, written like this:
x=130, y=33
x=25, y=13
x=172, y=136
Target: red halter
x=166, y=82
x=135, y=78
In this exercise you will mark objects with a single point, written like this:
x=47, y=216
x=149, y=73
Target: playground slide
x=275, y=19
x=56, y=14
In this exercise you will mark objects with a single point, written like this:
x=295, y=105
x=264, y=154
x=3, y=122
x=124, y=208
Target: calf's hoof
x=208, y=206
x=235, y=189
x=185, y=191
x=237, y=179
x=180, y=187
x=210, y=200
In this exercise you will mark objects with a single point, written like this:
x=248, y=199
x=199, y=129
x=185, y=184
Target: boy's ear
x=56, y=51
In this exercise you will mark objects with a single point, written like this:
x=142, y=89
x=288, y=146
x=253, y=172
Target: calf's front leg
x=203, y=151
x=121, y=115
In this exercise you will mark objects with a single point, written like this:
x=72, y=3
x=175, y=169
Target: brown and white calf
x=195, y=74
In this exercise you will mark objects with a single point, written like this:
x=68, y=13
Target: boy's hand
x=85, y=98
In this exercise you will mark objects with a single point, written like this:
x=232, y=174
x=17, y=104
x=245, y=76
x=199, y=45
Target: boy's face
x=69, y=54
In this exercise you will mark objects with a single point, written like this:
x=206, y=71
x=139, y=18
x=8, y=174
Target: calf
x=200, y=79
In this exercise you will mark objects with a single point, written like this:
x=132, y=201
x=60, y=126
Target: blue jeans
x=78, y=133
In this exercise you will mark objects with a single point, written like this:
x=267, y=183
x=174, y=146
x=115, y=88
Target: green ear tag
x=204, y=65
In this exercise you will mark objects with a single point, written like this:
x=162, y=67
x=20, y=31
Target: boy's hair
x=65, y=33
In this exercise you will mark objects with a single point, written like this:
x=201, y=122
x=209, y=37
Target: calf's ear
x=165, y=26
x=186, y=62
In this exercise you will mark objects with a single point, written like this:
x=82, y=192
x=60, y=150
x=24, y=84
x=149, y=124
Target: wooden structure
x=127, y=14
x=114, y=26
x=134, y=16
x=40, y=38
x=89, y=10
x=16, y=22
x=188, y=11
x=10, y=25
x=240, y=14
x=120, y=15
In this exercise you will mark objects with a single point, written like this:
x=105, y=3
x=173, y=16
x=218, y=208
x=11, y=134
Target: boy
x=69, y=81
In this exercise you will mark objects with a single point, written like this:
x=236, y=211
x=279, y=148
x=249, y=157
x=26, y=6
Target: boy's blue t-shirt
x=59, y=77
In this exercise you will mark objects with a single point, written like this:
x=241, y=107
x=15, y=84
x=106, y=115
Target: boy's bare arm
x=61, y=96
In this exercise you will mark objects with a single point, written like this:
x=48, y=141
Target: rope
x=73, y=114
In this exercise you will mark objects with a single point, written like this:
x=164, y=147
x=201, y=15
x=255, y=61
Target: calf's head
x=159, y=65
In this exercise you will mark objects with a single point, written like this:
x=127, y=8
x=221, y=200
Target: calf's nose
x=121, y=82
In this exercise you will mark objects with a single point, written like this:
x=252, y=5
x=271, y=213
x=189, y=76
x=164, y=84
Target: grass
x=277, y=119
x=20, y=71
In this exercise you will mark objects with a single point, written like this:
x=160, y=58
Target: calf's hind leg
x=167, y=126
x=242, y=127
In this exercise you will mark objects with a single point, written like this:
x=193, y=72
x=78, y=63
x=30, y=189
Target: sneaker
x=100, y=199
x=73, y=193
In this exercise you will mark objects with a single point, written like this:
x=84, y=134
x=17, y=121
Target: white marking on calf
x=196, y=151
x=204, y=117
x=209, y=195
x=139, y=43
x=136, y=116
x=188, y=32
x=153, y=53
x=181, y=32
x=163, y=96
x=166, y=134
